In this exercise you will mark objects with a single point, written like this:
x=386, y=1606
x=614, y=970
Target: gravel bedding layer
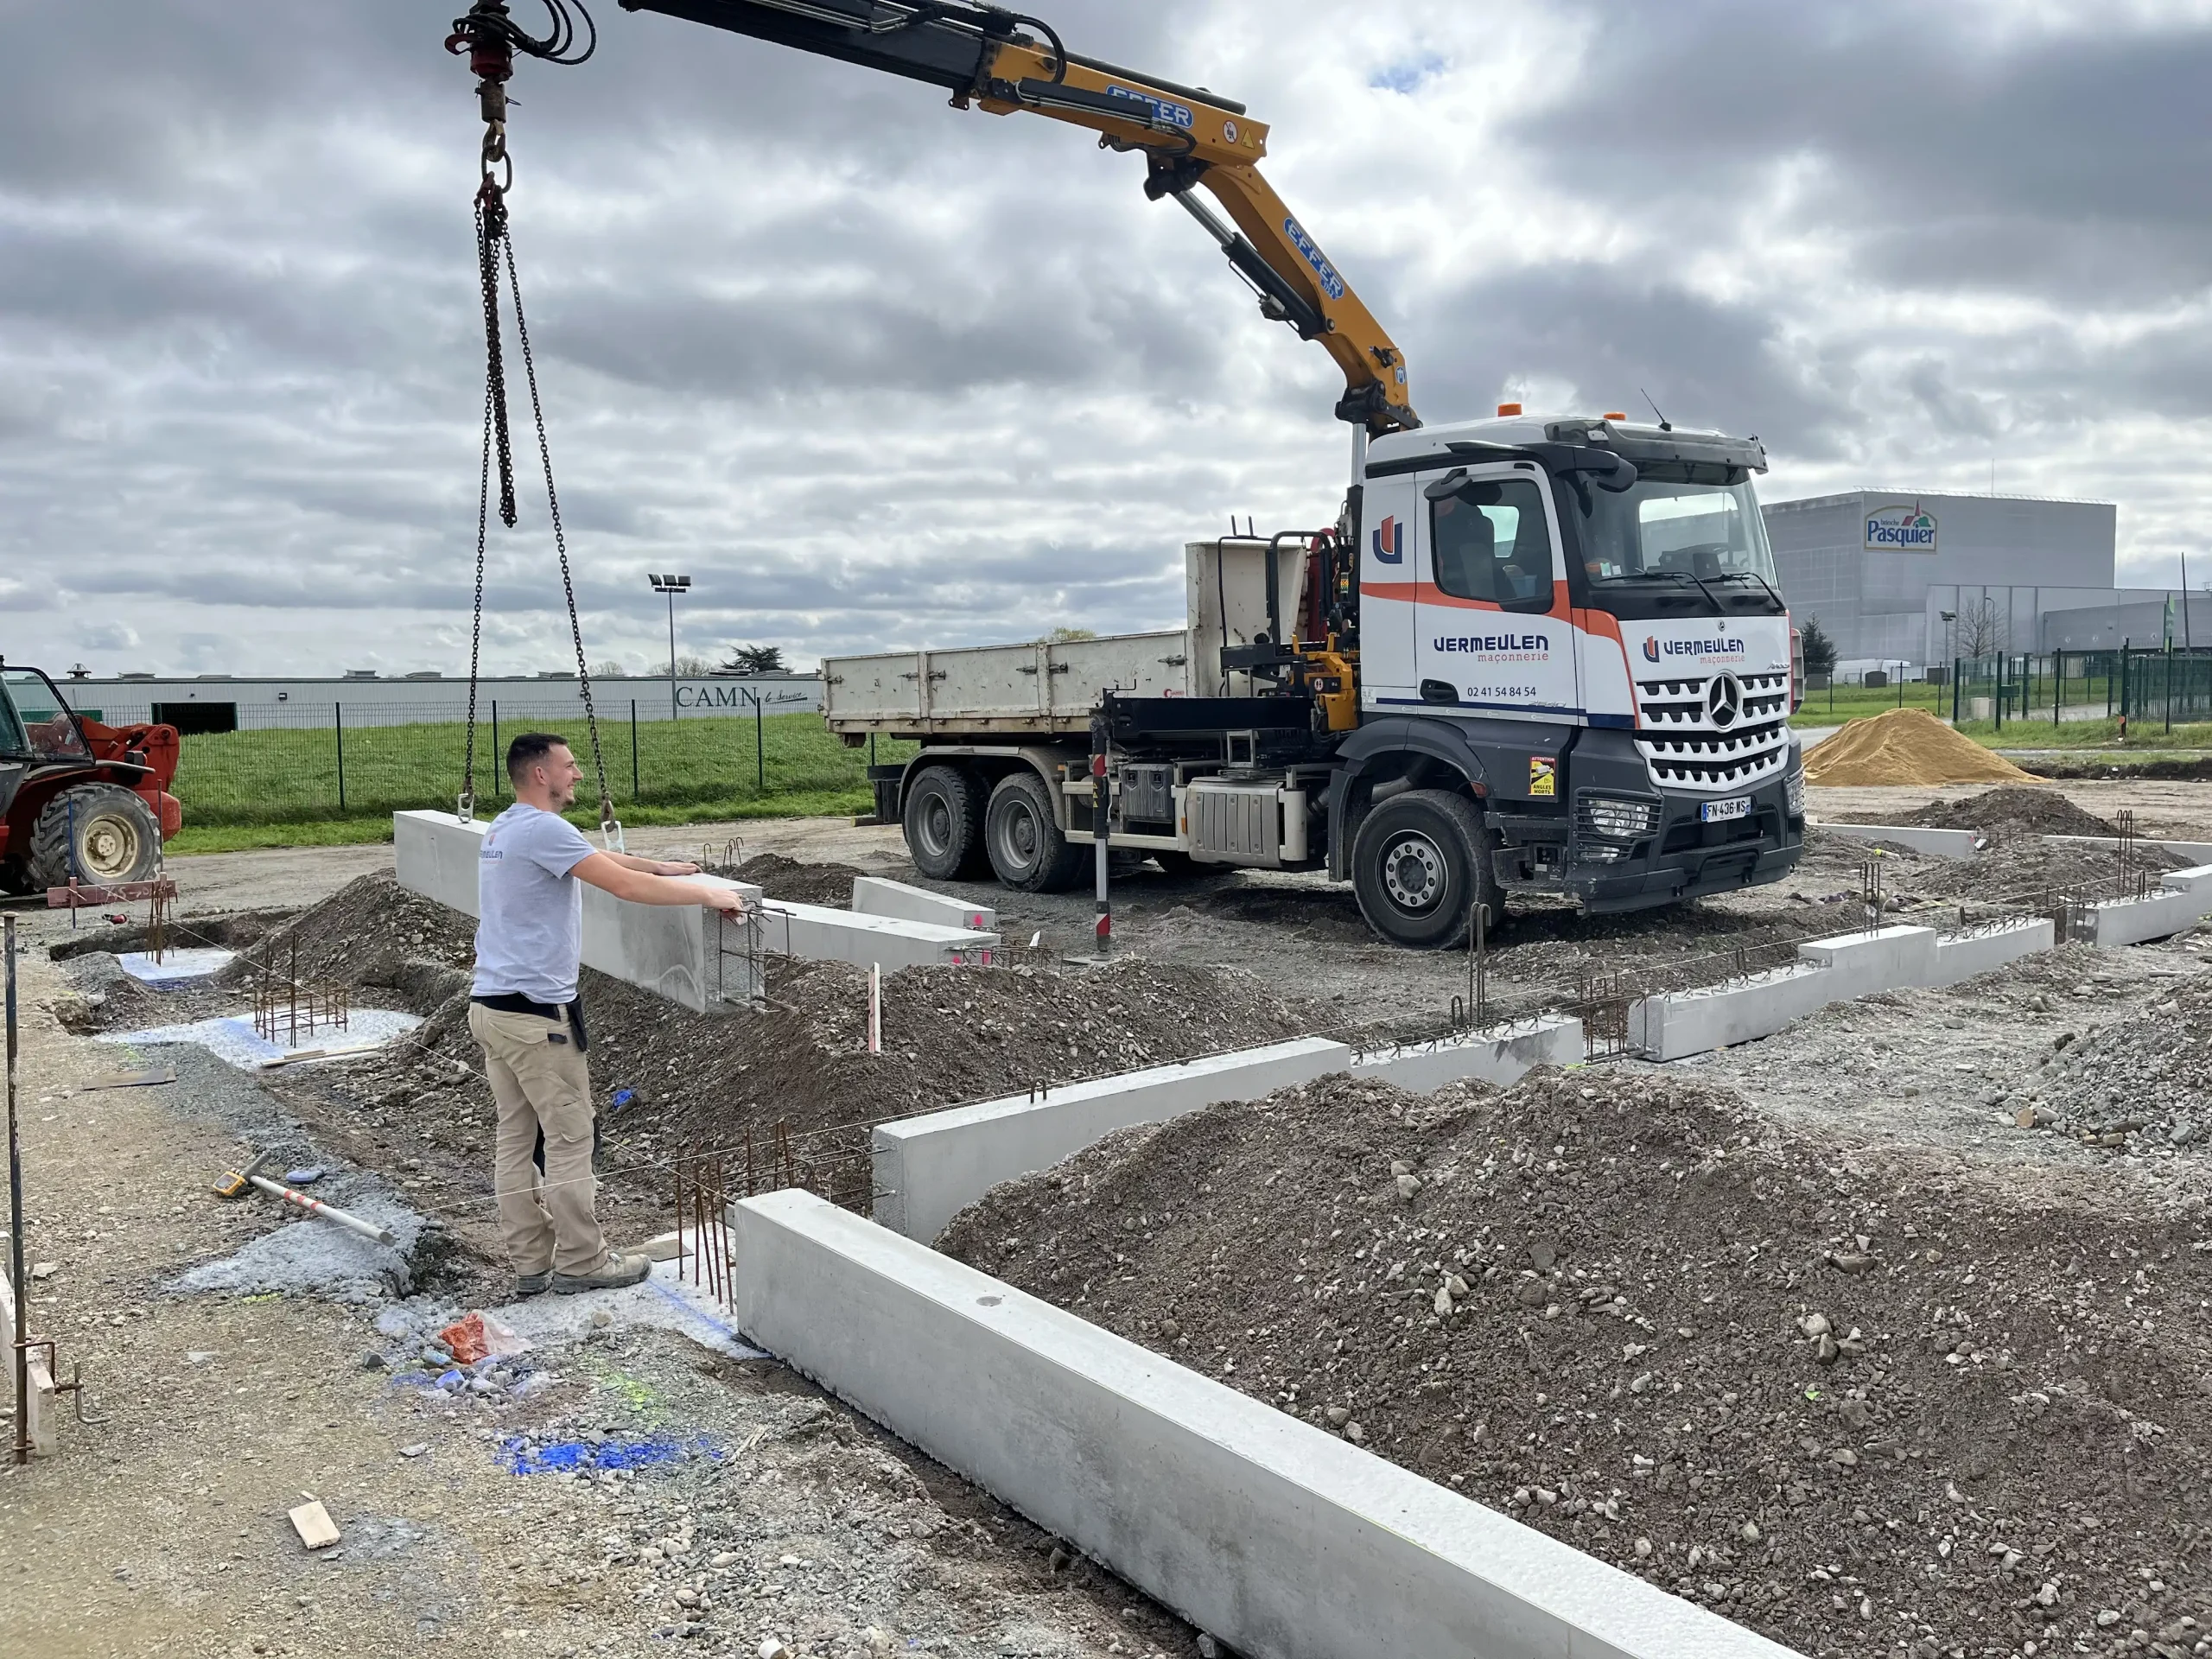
x=1865, y=1403
x=2148, y=1074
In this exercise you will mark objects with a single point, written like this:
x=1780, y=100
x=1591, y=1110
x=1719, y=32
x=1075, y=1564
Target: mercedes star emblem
x=1724, y=701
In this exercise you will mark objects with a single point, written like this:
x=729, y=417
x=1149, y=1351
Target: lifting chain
x=491, y=41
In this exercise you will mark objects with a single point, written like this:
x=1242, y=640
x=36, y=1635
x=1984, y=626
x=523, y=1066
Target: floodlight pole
x=671, y=585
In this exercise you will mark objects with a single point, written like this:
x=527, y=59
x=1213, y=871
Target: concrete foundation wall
x=928, y=1169
x=2133, y=921
x=672, y=951
x=818, y=933
x=1281, y=1541
x=2199, y=850
x=1501, y=1056
x=1888, y=959
x=2197, y=880
x=1955, y=844
x=1691, y=1022
x=875, y=896
x=1968, y=954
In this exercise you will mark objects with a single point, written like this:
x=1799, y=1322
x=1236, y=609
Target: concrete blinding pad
x=678, y=951
x=1954, y=844
x=1281, y=1541
x=930, y=1168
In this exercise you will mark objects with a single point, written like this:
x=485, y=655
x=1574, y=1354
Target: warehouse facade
x=1896, y=577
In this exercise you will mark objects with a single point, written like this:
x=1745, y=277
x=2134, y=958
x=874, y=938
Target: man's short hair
x=528, y=750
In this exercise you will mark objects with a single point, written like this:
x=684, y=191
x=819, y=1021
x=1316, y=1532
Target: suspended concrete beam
x=695, y=959
x=817, y=933
x=928, y=1169
x=1502, y=1056
x=873, y=895
x=1278, y=1539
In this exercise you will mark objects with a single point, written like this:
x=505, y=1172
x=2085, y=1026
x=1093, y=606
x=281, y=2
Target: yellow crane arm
x=985, y=57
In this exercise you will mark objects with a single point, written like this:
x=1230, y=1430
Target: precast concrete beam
x=1962, y=955
x=2199, y=880
x=38, y=1380
x=1280, y=1539
x=1882, y=959
x=2199, y=850
x=1954, y=844
x=2134, y=921
x=817, y=933
x=1682, y=1023
x=930, y=1168
x=873, y=895
x=1502, y=1056
x=682, y=952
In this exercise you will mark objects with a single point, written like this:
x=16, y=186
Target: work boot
x=533, y=1284
x=615, y=1272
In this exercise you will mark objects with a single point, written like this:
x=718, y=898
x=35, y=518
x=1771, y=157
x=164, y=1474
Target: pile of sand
x=1906, y=745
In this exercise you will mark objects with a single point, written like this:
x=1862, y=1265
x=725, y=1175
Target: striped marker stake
x=875, y=1007
x=1100, y=793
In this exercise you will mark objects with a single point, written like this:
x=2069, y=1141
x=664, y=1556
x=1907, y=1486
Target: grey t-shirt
x=529, y=931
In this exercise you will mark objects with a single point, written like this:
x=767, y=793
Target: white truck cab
x=1542, y=654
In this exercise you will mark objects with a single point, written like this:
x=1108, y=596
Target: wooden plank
x=129, y=1079
x=313, y=1523
x=41, y=1403
x=76, y=895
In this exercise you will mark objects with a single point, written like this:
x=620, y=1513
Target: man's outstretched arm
x=617, y=874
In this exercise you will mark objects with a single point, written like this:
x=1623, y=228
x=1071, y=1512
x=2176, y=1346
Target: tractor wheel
x=115, y=837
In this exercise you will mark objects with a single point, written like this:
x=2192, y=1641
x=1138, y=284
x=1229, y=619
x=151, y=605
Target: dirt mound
x=802, y=884
x=2010, y=811
x=371, y=933
x=2144, y=1081
x=1860, y=1407
x=1906, y=745
x=799, y=1061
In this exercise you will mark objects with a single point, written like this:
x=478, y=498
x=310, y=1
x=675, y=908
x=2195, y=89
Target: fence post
x=1955, y=690
x=633, y=751
x=338, y=721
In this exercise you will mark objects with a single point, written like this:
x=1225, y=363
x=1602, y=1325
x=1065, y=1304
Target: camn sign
x=1900, y=529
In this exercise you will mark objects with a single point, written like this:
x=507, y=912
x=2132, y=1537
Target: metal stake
x=15, y=1213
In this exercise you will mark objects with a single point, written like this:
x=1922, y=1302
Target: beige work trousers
x=540, y=1085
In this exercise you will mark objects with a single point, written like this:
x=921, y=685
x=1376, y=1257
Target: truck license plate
x=1721, y=812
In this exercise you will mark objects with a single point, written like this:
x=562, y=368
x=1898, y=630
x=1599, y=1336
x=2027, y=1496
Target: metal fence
x=298, y=762
x=2159, y=688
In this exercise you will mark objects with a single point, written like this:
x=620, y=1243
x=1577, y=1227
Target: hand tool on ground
x=237, y=1182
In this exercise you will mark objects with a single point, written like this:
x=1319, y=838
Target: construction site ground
x=164, y=1528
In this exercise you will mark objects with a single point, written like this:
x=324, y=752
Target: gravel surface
x=1862, y=1402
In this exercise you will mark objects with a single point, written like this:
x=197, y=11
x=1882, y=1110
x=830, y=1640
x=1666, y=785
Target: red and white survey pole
x=1101, y=793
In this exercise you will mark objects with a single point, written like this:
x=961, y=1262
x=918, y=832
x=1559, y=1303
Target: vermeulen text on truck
x=1538, y=655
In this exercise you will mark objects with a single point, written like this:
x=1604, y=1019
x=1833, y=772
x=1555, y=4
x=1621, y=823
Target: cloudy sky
x=878, y=374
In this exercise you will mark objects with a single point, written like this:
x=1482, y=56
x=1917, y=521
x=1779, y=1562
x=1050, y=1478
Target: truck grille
x=1714, y=733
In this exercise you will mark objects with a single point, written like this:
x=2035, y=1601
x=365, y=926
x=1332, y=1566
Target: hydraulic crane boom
x=1188, y=136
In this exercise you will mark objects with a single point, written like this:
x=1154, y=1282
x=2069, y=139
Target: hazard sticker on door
x=1543, y=776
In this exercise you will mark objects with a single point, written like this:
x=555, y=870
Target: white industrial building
x=224, y=703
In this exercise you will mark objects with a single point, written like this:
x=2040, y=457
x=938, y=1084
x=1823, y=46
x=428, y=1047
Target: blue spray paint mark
x=570, y=1457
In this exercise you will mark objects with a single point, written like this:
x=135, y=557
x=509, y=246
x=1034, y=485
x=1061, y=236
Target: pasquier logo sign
x=1900, y=529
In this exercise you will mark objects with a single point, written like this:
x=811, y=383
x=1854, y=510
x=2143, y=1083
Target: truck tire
x=944, y=824
x=116, y=838
x=1417, y=867
x=1028, y=853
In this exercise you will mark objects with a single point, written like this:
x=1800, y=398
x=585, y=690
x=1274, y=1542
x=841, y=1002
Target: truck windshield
x=1682, y=521
x=34, y=725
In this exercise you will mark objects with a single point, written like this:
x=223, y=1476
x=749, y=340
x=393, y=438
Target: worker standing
x=524, y=1015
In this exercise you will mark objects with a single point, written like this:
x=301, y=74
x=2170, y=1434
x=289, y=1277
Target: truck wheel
x=115, y=834
x=1029, y=852
x=943, y=824
x=1416, y=865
